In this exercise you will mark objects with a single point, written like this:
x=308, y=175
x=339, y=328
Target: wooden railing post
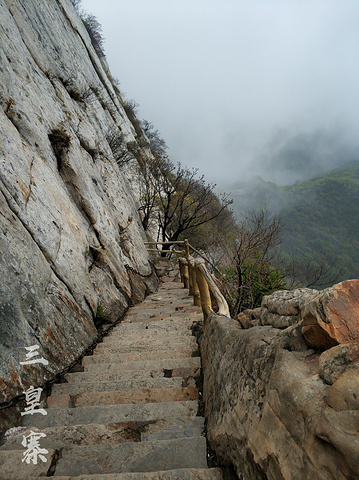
x=186, y=248
x=205, y=296
x=183, y=265
x=190, y=277
x=196, y=278
x=221, y=301
x=194, y=287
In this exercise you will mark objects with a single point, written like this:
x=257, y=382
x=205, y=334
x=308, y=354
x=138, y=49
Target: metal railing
x=196, y=277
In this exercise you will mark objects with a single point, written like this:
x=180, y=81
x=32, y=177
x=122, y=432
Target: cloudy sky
x=241, y=87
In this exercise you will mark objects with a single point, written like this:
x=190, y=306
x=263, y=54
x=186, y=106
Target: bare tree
x=321, y=272
x=151, y=176
x=254, y=265
x=186, y=202
x=94, y=30
x=252, y=268
x=157, y=144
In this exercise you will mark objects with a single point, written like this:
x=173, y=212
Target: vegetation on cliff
x=320, y=217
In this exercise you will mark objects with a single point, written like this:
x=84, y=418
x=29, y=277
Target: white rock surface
x=68, y=227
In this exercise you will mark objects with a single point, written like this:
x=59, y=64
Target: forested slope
x=320, y=215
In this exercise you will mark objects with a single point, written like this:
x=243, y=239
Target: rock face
x=275, y=408
x=69, y=223
x=332, y=317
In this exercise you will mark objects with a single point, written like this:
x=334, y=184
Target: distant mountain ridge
x=321, y=215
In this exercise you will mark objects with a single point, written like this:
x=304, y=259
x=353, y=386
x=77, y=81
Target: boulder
x=277, y=321
x=270, y=413
x=287, y=302
x=332, y=316
x=344, y=393
x=244, y=320
x=334, y=361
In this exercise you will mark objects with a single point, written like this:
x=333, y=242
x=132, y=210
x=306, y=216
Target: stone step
x=173, y=304
x=163, y=297
x=132, y=413
x=103, y=386
x=143, y=365
x=179, y=319
x=118, y=374
x=12, y=466
x=101, y=349
x=112, y=414
x=93, y=434
x=127, y=345
x=161, y=317
x=149, y=456
x=178, y=474
x=135, y=356
x=137, y=397
x=152, y=311
x=184, y=318
x=148, y=336
x=172, y=324
x=164, y=430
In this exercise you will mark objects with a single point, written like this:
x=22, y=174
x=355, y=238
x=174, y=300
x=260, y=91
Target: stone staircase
x=132, y=412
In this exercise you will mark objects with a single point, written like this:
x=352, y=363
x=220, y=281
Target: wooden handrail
x=223, y=308
x=177, y=242
x=193, y=282
x=200, y=283
x=196, y=277
x=184, y=272
x=187, y=248
x=179, y=252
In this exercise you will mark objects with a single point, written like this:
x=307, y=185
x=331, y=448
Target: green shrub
x=101, y=318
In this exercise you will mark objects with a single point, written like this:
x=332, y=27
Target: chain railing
x=196, y=277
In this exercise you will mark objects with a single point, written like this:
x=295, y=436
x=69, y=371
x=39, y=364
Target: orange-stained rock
x=332, y=317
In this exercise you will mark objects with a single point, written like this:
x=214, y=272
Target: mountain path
x=132, y=412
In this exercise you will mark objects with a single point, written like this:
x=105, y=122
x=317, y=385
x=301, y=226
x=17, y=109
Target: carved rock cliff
x=69, y=223
x=277, y=405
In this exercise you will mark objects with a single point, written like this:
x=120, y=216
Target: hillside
x=321, y=215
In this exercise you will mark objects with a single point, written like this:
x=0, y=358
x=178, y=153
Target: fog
x=241, y=87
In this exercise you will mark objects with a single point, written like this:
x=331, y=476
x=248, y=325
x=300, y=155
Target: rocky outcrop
x=280, y=310
x=277, y=408
x=69, y=224
x=332, y=317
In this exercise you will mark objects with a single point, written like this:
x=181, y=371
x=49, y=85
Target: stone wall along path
x=131, y=413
